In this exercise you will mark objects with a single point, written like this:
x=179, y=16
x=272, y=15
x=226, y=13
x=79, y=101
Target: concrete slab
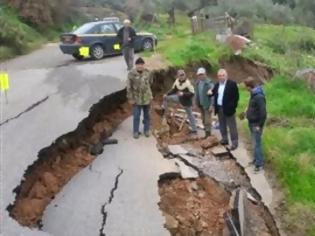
x=258, y=180
x=177, y=149
x=219, y=151
x=186, y=171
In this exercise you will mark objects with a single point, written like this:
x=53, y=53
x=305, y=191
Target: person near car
x=256, y=115
x=226, y=97
x=140, y=96
x=182, y=93
x=126, y=37
x=204, y=99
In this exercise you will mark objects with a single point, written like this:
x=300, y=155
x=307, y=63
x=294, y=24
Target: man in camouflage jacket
x=139, y=94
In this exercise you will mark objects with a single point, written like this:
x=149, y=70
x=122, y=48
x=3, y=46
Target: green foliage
x=194, y=48
x=15, y=36
x=269, y=11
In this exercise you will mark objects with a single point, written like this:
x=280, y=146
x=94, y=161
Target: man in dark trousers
x=226, y=97
x=204, y=100
x=256, y=115
x=126, y=37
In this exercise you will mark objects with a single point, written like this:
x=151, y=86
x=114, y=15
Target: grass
x=285, y=48
x=289, y=149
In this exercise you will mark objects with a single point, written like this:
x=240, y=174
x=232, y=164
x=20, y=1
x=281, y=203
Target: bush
x=15, y=36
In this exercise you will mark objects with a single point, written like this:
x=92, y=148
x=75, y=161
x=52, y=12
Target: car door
x=138, y=39
x=109, y=34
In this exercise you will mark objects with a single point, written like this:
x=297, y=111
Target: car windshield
x=84, y=28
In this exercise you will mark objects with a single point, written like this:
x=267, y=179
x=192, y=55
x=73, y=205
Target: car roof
x=83, y=28
x=103, y=21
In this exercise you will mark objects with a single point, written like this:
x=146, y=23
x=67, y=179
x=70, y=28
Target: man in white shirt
x=226, y=97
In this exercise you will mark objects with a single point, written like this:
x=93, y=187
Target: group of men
x=221, y=98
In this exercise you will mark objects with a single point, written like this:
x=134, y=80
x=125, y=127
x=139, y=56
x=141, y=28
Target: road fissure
x=30, y=108
x=109, y=201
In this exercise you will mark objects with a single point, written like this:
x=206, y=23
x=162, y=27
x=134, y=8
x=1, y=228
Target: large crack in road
x=108, y=202
x=69, y=154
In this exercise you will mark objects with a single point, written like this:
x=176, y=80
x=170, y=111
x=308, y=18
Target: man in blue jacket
x=256, y=115
x=204, y=101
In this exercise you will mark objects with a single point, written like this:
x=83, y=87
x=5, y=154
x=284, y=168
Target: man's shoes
x=233, y=147
x=258, y=169
x=136, y=135
x=251, y=163
x=223, y=142
x=147, y=134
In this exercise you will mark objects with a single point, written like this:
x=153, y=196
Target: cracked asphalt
x=50, y=94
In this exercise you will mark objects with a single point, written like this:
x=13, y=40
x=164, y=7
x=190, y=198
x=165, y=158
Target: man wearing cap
x=182, y=93
x=226, y=97
x=204, y=99
x=126, y=37
x=139, y=95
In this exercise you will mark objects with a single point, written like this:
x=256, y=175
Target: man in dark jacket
x=126, y=37
x=204, y=99
x=226, y=97
x=182, y=92
x=256, y=115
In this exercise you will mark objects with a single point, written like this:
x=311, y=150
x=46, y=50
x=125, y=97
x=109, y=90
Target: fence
x=218, y=24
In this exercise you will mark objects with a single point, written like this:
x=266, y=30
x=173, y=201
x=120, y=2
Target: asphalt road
x=50, y=94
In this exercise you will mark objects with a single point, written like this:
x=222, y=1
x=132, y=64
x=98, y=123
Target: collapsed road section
x=74, y=151
x=69, y=154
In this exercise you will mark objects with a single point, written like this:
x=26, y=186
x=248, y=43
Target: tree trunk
x=171, y=14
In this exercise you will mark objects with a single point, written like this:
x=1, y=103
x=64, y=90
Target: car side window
x=107, y=29
x=94, y=30
x=118, y=26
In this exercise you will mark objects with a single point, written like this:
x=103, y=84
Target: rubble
x=210, y=142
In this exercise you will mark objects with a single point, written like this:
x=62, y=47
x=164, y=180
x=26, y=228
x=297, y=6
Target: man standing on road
x=204, y=99
x=182, y=93
x=139, y=94
x=226, y=97
x=126, y=37
x=256, y=115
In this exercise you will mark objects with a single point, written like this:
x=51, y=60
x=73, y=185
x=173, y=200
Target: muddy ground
x=193, y=207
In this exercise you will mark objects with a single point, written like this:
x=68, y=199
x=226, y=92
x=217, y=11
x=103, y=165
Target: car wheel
x=97, y=52
x=77, y=56
x=148, y=45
